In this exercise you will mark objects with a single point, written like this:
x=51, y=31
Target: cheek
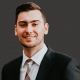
x=40, y=32
x=20, y=31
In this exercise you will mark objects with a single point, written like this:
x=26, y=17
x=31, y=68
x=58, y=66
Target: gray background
x=63, y=17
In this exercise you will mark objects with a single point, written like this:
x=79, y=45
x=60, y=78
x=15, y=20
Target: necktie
x=28, y=74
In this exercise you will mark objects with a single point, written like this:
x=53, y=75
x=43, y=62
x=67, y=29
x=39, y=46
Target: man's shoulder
x=63, y=56
x=62, y=59
x=59, y=58
x=13, y=63
x=58, y=55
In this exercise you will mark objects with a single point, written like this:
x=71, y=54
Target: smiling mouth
x=28, y=37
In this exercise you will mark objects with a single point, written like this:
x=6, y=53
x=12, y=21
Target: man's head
x=30, y=25
x=28, y=7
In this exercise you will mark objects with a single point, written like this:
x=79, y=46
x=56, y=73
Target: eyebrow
x=30, y=21
x=35, y=21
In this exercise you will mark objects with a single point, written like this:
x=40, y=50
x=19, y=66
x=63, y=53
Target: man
x=30, y=27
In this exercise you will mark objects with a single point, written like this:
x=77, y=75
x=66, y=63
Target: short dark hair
x=27, y=7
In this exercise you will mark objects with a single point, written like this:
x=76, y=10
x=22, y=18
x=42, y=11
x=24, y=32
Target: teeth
x=29, y=37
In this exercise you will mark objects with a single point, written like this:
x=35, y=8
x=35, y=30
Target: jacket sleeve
x=72, y=71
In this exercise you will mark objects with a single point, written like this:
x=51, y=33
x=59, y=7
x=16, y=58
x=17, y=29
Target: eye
x=23, y=25
x=35, y=24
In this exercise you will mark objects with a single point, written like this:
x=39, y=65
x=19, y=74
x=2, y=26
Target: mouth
x=29, y=37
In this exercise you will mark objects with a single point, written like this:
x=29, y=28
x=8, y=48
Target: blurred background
x=63, y=17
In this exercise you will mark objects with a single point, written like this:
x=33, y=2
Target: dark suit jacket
x=54, y=66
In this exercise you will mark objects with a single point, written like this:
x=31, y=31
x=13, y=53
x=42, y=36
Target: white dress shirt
x=37, y=58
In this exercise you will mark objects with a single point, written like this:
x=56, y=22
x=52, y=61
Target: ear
x=16, y=30
x=46, y=28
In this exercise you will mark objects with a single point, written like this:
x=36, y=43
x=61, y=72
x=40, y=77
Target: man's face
x=30, y=28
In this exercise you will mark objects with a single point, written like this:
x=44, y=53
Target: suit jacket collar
x=46, y=64
x=16, y=70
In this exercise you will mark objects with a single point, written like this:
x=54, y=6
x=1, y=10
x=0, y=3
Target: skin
x=30, y=30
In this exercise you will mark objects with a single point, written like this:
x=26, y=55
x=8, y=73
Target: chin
x=28, y=45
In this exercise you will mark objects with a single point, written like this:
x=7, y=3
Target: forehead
x=30, y=15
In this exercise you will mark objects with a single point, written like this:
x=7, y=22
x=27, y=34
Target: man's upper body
x=53, y=66
x=30, y=27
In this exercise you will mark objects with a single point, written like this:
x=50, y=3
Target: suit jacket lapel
x=46, y=65
x=16, y=69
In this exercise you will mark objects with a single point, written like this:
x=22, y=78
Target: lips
x=29, y=37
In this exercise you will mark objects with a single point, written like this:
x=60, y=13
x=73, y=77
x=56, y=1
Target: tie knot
x=29, y=60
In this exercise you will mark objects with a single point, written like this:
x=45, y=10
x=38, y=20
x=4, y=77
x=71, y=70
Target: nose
x=29, y=29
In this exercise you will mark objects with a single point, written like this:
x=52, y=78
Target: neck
x=29, y=52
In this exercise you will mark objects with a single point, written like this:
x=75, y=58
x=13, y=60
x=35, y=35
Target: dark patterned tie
x=28, y=74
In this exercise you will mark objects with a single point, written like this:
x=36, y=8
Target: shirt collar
x=37, y=58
